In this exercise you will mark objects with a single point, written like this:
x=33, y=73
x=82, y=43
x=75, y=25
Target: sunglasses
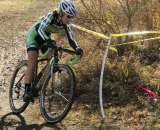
x=69, y=17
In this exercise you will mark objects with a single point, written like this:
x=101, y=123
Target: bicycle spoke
x=60, y=94
x=20, y=80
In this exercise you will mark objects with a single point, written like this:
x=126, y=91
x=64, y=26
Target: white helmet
x=67, y=7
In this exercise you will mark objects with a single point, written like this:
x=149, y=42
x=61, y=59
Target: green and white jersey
x=40, y=32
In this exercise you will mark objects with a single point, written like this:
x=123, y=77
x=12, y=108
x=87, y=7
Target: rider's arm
x=70, y=37
x=45, y=21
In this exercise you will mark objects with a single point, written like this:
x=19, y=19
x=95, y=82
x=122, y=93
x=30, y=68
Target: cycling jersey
x=40, y=32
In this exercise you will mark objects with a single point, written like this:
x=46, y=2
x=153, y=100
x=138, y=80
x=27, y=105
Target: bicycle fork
x=56, y=88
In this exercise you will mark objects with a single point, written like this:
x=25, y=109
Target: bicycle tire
x=19, y=89
x=48, y=94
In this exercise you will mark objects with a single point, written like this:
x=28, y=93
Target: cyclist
x=39, y=37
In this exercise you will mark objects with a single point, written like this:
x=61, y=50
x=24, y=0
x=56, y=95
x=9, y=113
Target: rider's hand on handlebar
x=79, y=51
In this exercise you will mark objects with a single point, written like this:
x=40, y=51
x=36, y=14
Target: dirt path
x=14, y=25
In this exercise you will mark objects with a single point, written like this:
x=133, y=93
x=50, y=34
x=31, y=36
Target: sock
x=27, y=87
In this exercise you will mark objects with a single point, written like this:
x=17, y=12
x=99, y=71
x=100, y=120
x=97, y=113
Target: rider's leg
x=32, y=63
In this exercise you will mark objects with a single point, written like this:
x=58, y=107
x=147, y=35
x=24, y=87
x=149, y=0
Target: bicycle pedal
x=28, y=98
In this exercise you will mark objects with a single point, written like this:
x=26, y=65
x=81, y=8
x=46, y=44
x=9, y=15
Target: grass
x=126, y=108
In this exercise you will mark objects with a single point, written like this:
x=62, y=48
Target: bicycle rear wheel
x=17, y=88
x=57, y=97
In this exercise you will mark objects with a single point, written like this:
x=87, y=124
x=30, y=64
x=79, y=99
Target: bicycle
x=56, y=91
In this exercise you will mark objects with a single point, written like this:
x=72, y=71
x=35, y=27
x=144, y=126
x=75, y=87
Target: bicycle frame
x=49, y=67
x=53, y=63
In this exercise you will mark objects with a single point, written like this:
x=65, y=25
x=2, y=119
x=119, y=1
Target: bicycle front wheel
x=17, y=88
x=57, y=94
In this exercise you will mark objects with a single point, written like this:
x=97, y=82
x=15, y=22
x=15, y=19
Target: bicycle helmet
x=67, y=7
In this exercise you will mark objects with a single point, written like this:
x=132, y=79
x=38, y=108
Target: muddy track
x=14, y=26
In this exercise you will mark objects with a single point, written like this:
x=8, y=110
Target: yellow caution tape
x=112, y=47
x=91, y=32
x=136, y=33
x=135, y=42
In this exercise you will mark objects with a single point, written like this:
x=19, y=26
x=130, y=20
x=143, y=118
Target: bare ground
x=85, y=114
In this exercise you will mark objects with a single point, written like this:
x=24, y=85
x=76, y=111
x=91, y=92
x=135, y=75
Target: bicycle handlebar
x=76, y=57
x=72, y=62
x=67, y=50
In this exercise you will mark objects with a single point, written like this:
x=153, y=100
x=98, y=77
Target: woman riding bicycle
x=39, y=38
